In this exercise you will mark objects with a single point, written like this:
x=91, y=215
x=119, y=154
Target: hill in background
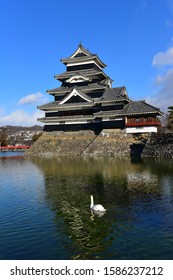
x=19, y=135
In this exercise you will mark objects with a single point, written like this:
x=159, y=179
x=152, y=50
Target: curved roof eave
x=84, y=58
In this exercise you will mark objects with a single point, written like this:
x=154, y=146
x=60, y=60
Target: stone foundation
x=159, y=145
x=108, y=142
x=85, y=143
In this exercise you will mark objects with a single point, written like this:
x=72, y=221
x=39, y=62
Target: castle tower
x=87, y=100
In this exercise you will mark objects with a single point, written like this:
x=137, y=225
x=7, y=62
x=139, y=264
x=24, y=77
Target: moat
x=45, y=211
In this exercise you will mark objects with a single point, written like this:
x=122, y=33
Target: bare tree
x=3, y=137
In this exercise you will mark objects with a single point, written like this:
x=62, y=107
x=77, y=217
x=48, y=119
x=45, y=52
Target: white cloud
x=36, y=98
x=21, y=118
x=163, y=58
x=163, y=82
x=161, y=100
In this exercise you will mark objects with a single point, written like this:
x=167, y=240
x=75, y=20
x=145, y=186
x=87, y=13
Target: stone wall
x=159, y=145
x=86, y=143
x=105, y=143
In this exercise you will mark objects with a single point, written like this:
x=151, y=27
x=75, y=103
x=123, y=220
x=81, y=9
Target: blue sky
x=134, y=38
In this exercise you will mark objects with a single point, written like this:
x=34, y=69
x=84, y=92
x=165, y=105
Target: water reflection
x=129, y=190
x=45, y=208
x=69, y=183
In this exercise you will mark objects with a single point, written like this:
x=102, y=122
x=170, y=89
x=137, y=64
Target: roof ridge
x=82, y=48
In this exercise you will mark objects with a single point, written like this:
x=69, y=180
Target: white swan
x=97, y=207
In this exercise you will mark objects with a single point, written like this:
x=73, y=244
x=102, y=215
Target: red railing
x=11, y=147
x=142, y=122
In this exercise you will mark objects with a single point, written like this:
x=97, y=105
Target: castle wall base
x=106, y=143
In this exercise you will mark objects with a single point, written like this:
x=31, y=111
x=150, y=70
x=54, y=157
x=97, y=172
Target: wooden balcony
x=142, y=122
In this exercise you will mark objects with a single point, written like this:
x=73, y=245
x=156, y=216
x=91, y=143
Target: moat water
x=45, y=208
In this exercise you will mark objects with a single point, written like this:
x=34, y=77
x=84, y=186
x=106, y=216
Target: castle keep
x=86, y=100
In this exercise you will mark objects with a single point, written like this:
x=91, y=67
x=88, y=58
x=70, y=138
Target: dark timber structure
x=87, y=100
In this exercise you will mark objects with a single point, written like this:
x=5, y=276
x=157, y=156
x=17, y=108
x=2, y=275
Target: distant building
x=87, y=100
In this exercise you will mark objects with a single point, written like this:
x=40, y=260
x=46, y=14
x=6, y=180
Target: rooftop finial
x=80, y=44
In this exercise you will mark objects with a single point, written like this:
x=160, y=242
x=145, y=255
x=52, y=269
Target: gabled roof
x=75, y=92
x=81, y=51
x=88, y=88
x=83, y=55
x=118, y=93
x=74, y=106
x=48, y=106
x=116, y=113
x=56, y=106
x=76, y=78
x=85, y=72
x=138, y=107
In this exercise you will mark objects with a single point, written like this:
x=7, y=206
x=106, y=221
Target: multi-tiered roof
x=86, y=99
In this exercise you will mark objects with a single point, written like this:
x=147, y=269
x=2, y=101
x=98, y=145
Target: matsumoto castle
x=86, y=100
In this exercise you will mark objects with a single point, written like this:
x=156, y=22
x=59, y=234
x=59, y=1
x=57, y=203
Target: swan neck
x=92, y=202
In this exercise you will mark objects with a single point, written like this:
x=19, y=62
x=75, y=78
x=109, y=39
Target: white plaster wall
x=141, y=129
